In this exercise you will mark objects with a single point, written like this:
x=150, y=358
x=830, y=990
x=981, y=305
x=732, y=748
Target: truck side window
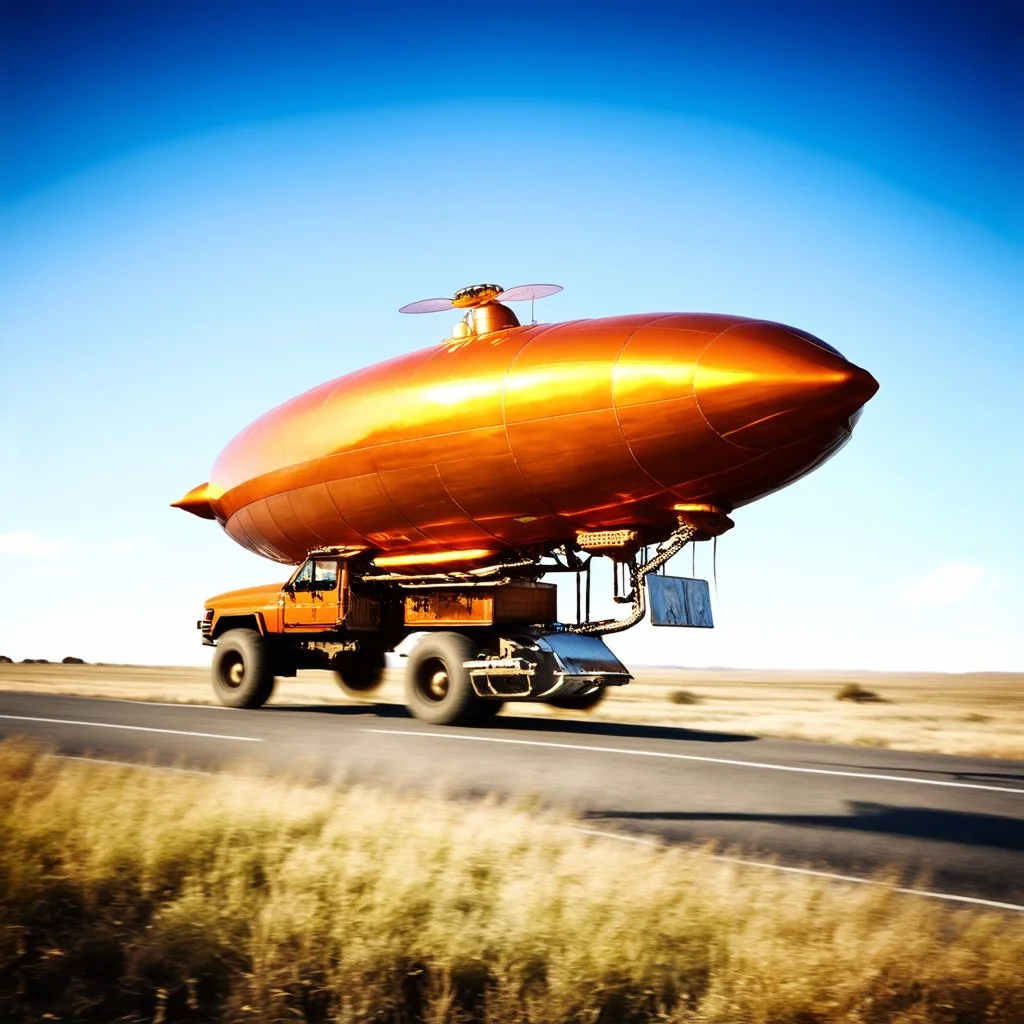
x=325, y=575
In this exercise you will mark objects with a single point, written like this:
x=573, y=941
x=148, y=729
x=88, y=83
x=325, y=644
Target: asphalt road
x=949, y=825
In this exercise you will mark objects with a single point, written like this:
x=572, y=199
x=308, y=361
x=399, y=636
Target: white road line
x=615, y=835
x=811, y=872
x=971, y=900
x=697, y=757
x=156, y=703
x=134, y=728
x=131, y=764
x=125, y=700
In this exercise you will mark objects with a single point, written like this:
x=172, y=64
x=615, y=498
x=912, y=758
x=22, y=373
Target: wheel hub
x=437, y=685
x=236, y=673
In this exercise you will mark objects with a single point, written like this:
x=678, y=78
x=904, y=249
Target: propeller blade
x=521, y=292
x=427, y=306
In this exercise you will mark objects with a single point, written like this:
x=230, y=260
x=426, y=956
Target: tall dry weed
x=135, y=894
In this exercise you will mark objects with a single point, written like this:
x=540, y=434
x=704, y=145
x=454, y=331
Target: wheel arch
x=227, y=622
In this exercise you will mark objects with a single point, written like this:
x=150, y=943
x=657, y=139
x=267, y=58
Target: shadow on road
x=624, y=730
x=912, y=822
x=950, y=772
x=547, y=726
x=366, y=710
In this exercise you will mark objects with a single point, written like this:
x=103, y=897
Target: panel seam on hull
x=291, y=505
x=696, y=364
x=422, y=530
x=341, y=516
x=615, y=410
x=504, y=423
x=469, y=518
x=673, y=491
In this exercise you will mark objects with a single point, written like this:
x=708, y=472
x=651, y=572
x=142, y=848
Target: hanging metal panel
x=679, y=601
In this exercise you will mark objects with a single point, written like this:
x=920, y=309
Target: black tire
x=437, y=687
x=579, y=701
x=361, y=671
x=243, y=673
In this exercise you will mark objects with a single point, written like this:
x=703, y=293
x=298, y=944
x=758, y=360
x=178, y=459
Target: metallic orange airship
x=508, y=451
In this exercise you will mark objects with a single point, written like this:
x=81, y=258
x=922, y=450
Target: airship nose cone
x=762, y=385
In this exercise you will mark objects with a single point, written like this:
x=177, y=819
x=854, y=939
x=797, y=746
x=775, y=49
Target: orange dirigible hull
x=521, y=437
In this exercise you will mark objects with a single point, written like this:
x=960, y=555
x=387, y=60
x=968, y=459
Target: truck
x=492, y=639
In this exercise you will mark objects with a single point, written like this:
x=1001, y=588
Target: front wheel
x=437, y=687
x=243, y=675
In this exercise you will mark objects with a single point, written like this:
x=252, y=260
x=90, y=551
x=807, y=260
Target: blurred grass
x=131, y=894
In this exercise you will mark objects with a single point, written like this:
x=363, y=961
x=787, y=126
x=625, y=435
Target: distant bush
x=857, y=693
x=4, y=660
x=683, y=697
x=72, y=661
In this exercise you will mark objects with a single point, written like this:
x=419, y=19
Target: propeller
x=480, y=294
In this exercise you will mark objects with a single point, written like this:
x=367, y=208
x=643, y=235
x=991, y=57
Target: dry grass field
x=135, y=894
x=979, y=714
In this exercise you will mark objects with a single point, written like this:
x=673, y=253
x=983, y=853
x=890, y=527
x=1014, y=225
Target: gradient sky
x=208, y=208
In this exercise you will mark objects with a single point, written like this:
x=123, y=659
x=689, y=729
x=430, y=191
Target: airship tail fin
x=198, y=501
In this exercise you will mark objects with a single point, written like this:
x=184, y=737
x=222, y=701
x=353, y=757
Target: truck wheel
x=437, y=687
x=360, y=671
x=579, y=701
x=243, y=676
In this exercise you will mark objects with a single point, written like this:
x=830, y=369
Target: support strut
x=676, y=541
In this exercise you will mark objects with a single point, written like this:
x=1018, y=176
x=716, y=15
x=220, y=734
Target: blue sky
x=209, y=208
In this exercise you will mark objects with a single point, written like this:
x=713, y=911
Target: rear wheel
x=437, y=687
x=579, y=702
x=243, y=675
x=360, y=671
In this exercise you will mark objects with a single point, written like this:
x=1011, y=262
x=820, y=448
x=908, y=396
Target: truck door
x=312, y=598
